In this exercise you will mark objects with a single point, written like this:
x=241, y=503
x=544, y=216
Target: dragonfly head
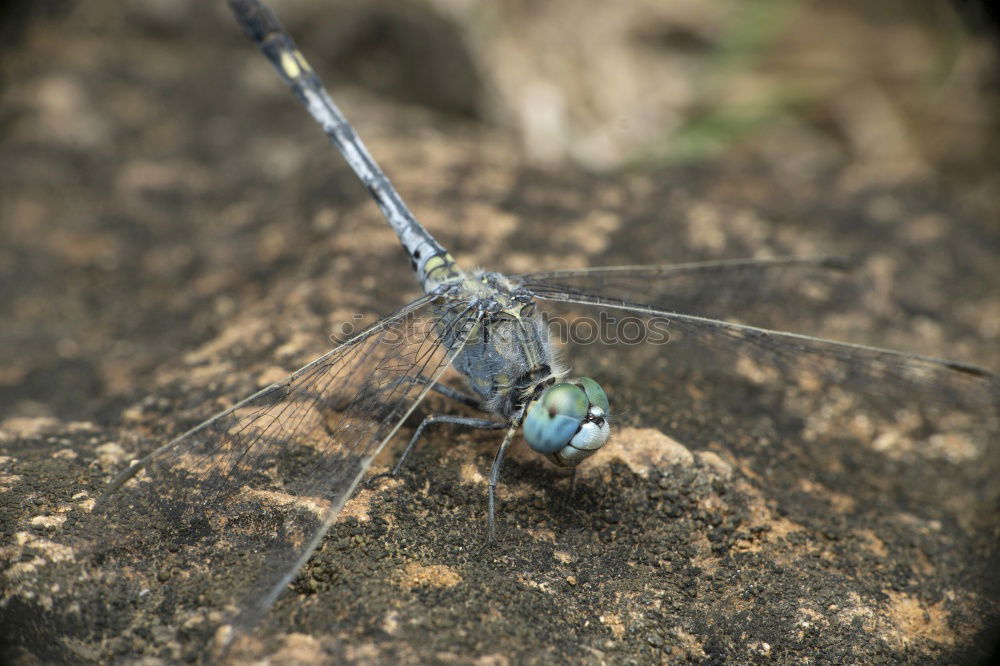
x=568, y=422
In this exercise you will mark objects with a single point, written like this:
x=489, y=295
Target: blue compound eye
x=555, y=417
x=595, y=394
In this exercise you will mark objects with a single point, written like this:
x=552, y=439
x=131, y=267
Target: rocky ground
x=176, y=234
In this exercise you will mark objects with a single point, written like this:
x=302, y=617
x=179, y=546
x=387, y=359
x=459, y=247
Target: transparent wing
x=249, y=494
x=746, y=289
x=883, y=376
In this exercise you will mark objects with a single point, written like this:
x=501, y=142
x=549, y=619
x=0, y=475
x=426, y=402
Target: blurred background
x=138, y=137
x=898, y=86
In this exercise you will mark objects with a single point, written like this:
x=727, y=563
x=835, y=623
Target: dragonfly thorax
x=513, y=368
x=507, y=354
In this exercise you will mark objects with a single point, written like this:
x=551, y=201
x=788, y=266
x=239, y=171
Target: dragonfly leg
x=494, y=476
x=479, y=424
x=456, y=395
x=394, y=387
x=572, y=488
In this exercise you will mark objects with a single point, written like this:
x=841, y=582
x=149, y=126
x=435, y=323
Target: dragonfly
x=258, y=485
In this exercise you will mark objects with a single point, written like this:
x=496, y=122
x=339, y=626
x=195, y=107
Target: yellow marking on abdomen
x=433, y=264
x=302, y=61
x=290, y=65
x=437, y=263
